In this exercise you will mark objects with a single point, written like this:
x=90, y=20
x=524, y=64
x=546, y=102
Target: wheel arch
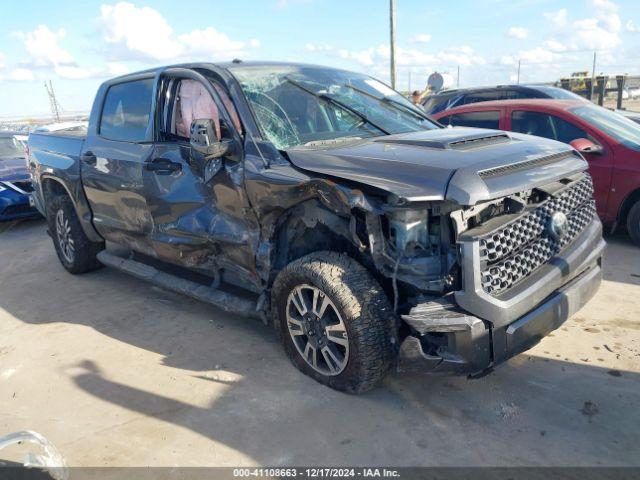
x=626, y=205
x=52, y=186
x=310, y=226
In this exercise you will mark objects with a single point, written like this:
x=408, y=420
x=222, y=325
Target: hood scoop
x=464, y=143
x=477, y=142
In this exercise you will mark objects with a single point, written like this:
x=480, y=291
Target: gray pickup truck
x=324, y=203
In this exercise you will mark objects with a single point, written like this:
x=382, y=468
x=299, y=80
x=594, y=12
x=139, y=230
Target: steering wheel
x=276, y=127
x=278, y=107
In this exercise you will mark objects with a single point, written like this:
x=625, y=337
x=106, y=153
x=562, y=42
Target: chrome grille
x=517, y=249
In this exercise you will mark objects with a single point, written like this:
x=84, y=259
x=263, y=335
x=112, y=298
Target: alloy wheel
x=65, y=241
x=317, y=330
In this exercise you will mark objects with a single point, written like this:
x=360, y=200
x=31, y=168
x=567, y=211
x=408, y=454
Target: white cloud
x=421, y=38
x=376, y=59
x=536, y=55
x=73, y=72
x=21, y=75
x=463, y=55
x=2, y=57
x=559, y=18
x=630, y=26
x=211, y=44
x=143, y=32
x=518, y=32
x=42, y=45
x=116, y=69
x=312, y=47
x=599, y=30
x=555, y=45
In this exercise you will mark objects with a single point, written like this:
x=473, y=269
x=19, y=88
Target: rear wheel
x=633, y=223
x=75, y=251
x=335, y=321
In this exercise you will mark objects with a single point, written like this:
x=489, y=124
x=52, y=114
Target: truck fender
x=51, y=185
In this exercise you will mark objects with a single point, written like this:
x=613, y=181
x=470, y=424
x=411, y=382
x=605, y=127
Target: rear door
x=112, y=163
x=565, y=128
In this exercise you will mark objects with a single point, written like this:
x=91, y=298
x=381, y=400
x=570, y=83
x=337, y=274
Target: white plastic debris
x=52, y=461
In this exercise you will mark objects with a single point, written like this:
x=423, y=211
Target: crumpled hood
x=465, y=165
x=13, y=169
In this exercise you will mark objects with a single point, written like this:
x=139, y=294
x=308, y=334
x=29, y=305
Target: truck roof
x=217, y=65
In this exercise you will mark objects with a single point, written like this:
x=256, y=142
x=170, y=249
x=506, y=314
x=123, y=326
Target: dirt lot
x=116, y=372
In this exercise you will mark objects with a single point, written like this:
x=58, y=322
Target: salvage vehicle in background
x=15, y=184
x=448, y=99
x=367, y=234
x=607, y=140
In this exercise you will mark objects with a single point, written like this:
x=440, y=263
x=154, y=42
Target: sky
x=78, y=45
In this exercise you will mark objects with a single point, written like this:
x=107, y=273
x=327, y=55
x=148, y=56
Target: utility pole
x=458, y=78
x=392, y=31
x=409, y=85
x=593, y=73
x=55, y=106
x=518, y=81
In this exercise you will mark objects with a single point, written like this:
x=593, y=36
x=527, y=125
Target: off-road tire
x=364, y=307
x=84, y=258
x=633, y=223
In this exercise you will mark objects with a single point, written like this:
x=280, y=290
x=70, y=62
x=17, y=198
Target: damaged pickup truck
x=324, y=203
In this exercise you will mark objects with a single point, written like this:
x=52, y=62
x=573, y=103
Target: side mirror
x=584, y=145
x=204, y=139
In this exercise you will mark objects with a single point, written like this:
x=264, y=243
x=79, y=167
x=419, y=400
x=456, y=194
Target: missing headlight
x=409, y=230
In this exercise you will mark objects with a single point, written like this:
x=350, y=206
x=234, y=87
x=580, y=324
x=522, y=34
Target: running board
x=225, y=301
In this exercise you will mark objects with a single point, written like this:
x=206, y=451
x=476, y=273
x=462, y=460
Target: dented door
x=198, y=223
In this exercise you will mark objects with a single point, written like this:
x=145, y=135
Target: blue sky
x=77, y=45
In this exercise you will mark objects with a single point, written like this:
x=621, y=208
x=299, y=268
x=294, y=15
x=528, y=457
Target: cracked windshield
x=306, y=106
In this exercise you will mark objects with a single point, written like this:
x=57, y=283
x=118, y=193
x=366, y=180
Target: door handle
x=162, y=166
x=89, y=158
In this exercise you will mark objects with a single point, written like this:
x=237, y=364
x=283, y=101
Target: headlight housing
x=410, y=231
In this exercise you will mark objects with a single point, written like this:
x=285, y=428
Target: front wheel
x=336, y=322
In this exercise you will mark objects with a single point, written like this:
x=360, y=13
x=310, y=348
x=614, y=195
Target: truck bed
x=57, y=155
x=56, y=150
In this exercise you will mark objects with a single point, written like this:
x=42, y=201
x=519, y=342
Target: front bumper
x=15, y=205
x=465, y=344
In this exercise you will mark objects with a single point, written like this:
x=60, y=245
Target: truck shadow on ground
x=528, y=411
x=532, y=410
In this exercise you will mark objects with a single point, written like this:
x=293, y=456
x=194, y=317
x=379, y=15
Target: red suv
x=609, y=142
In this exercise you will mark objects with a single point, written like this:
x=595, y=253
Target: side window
x=126, y=111
x=567, y=132
x=485, y=96
x=545, y=125
x=532, y=123
x=488, y=119
x=517, y=95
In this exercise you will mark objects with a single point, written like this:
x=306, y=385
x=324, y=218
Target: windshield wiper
x=391, y=101
x=330, y=99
